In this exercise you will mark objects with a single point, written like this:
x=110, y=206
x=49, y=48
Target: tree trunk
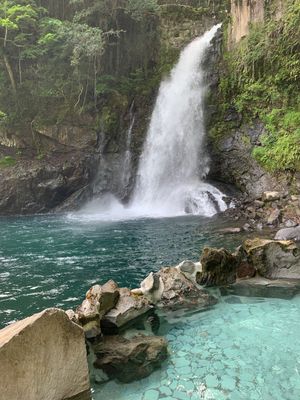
x=10, y=74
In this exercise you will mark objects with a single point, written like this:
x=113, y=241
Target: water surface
x=242, y=349
x=48, y=261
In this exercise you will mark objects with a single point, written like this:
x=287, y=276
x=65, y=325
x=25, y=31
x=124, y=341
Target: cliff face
x=60, y=159
x=256, y=110
x=58, y=166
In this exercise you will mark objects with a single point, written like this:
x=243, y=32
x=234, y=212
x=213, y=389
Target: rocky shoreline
x=119, y=326
x=274, y=210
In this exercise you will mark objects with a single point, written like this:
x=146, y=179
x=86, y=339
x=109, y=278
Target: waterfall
x=173, y=163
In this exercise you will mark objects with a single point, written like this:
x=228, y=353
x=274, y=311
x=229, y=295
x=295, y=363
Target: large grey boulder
x=219, y=267
x=181, y=292
x=130, y=359
x=273, y=259
x=289, y=234
x=43, y=357
x=128, y=308
x=99, y=300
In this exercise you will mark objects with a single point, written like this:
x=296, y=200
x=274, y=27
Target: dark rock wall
x=63, y=165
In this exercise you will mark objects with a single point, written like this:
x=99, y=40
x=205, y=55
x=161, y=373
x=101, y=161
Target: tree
x=17, y=24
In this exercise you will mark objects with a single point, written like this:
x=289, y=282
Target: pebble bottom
x=242, y=349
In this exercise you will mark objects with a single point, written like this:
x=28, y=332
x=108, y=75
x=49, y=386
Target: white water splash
x=173, y=163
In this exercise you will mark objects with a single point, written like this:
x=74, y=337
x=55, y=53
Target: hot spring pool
x=243, y=348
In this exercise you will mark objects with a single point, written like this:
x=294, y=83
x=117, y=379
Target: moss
x=7, y=161
x=260, y=78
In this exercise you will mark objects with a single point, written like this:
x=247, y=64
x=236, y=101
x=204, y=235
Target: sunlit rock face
x=243, y=13
x=43, y=357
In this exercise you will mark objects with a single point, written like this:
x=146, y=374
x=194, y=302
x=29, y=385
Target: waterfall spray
x=174, y=162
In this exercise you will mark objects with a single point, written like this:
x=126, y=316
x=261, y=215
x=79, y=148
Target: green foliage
x=261, y=79
x=141, y=9
x=7, y=161
x=280, y=148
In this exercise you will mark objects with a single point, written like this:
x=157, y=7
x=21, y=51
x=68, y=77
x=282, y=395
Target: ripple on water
x=242, y=349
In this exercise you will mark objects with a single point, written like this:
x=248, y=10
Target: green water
x=48, y=261
x=242, y=349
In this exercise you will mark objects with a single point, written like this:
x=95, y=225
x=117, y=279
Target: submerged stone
x=151, y=395
x=261, y=287
x=228, y=383
x=130, y=360
x=211, y=381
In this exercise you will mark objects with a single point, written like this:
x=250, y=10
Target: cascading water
x=173, y=163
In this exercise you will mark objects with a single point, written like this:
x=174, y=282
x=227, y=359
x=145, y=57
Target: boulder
x=130, y=359
x=270, y=196
x=43, y=357
x=181, y=292
x=151, y=287
x=219, y=267
x=99, y=300
x=273, y=259
x=289, y=234
x=128, y=308
x=189, y=269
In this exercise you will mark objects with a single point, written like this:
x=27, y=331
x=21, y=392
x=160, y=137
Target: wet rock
x=270, y=196
x=232, y=161
x=43, y=357
x=245, y=270
x=231, y=230
x=258, y=203
x=288, y=234
x=99, y=300
x=247, y=227
x=73, y=316
x=261, y=287
x=189, y=269
x=259, y=226
x=289, y=224
x=129, y=307
x=274, y=216
x=273, y=259
x=130, y=359
x=38, y=186
x=151, y=287
x=181, y=292
x=218, y=267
